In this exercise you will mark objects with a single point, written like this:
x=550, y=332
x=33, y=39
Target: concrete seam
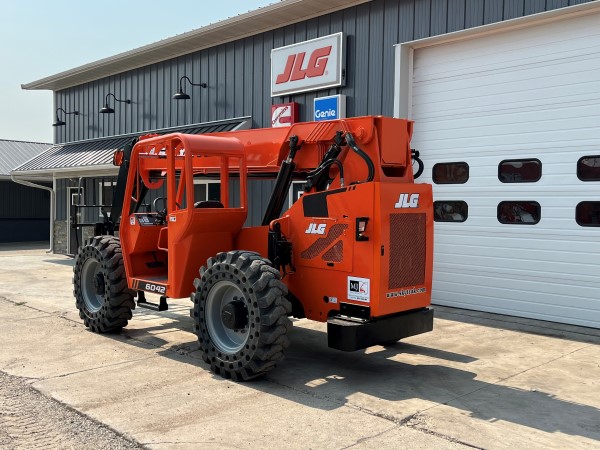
x=95, y=368
x=366, y=438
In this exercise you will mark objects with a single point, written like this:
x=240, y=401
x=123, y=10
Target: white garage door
x=530, y=95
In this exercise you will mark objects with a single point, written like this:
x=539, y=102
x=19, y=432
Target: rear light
x=361, y=226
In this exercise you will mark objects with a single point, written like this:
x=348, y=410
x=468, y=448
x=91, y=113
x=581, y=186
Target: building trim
x=270, y=17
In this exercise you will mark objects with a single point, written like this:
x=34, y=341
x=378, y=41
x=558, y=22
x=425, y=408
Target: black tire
x=104, y=301
x=258, y=345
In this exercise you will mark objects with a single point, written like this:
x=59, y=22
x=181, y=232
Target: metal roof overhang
x=251, y=23
x=95, y=155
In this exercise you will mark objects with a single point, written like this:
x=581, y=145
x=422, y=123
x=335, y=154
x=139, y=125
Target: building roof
x=273, y=16
x=15, y=153
x=98, y=153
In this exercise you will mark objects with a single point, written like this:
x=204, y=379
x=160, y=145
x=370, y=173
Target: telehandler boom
x=355, y=250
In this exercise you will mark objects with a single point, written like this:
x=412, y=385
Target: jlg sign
x=308, y=66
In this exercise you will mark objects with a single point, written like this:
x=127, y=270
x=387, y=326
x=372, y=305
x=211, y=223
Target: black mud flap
x=349, y=335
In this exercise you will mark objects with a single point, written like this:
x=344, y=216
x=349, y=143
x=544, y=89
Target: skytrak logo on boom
x=317, y=64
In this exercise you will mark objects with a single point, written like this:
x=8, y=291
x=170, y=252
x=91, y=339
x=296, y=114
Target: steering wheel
x=161, y=213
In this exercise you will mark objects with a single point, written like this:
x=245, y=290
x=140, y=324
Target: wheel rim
x=90, y=286
x=225, y=339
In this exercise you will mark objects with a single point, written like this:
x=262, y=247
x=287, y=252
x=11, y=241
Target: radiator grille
x=407, y=250
x=321, y=244
x=335, y=253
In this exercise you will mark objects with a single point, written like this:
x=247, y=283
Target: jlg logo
x=314, y=228
x=408, y=201
x=317, y=64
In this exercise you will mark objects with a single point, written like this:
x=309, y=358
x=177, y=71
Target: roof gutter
x=52, y=203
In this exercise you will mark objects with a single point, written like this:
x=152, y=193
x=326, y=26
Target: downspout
x=52, y=203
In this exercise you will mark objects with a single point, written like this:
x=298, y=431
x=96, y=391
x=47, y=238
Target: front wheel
x=100, y=285
x=240, y=315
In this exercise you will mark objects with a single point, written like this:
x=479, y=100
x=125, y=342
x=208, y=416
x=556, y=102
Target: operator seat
x=209, y=204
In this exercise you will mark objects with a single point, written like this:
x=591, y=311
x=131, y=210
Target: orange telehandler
x=354, y=251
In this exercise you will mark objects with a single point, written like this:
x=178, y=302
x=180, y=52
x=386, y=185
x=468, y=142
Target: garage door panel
x=481, y=99
x=519, y=265
x=571, y=36
x=529, y=93
x=552, y=294
x=562, y=314
x=527, y=131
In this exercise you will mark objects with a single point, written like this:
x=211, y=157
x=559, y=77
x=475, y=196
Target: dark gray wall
x=238, y=73
x=24, y=213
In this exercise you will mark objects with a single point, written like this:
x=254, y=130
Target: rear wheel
x=104, y=301
x=240, y=315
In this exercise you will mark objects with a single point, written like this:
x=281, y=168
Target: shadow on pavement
x=381, y=377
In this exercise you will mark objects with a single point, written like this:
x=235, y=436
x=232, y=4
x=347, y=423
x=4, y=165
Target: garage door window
x=450, y=173
x=587, y=214
x=450, y=211
x=519, y=212
x=588, y=168
x=520, y=170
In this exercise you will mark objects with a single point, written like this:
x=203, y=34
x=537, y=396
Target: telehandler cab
x=354, y=251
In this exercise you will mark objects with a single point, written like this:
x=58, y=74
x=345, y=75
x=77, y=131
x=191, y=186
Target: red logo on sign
x=316, y=66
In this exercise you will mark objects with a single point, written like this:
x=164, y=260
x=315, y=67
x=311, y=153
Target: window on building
x=450, y=211
x=519, y=212
x=520, y=170
x=105, y=199
x=296, y=191
x=588, y=168
x=587, y=214
x=206, y=190
x=450, y=173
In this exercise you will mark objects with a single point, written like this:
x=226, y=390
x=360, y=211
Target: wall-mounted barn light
x=182, y=95
x=107, y=109
x=60, y=123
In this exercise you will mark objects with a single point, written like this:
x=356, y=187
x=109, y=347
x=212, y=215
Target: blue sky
x=39, y=38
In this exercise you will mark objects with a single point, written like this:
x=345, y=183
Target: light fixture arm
x=185, y=77
x=110, y=94
x=60, y=123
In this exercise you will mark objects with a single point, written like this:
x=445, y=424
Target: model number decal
x=150, y=287
x=408, y=201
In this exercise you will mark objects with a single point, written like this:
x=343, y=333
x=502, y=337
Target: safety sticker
x=172, y=218
x=359, y=289
x=132, y=220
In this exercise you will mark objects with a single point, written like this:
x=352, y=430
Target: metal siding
x=473, y=13
x=375, y=58
x=238, y=80
x=513, y=8
x=257, y=92
x=492, y=11
x=456, y=15
x=554, y=4
x=422, y=19
x=439, y=17
x=238, y=73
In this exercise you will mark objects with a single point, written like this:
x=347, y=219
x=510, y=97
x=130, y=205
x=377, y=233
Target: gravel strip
x=29, y=420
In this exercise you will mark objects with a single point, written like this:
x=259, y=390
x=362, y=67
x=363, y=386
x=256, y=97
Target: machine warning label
x=405, y=292
x=359, y=289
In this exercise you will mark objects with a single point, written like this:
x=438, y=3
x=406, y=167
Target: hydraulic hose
x=363, y=155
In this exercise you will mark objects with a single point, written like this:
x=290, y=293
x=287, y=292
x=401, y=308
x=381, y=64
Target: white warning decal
x=359, y=289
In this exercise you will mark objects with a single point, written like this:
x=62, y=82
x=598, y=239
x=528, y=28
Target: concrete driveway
x=478, y=380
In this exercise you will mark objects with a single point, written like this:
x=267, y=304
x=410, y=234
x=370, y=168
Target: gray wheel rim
x=89, y=271
x=225, y=339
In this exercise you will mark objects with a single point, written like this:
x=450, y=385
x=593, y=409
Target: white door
x=520, y=96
